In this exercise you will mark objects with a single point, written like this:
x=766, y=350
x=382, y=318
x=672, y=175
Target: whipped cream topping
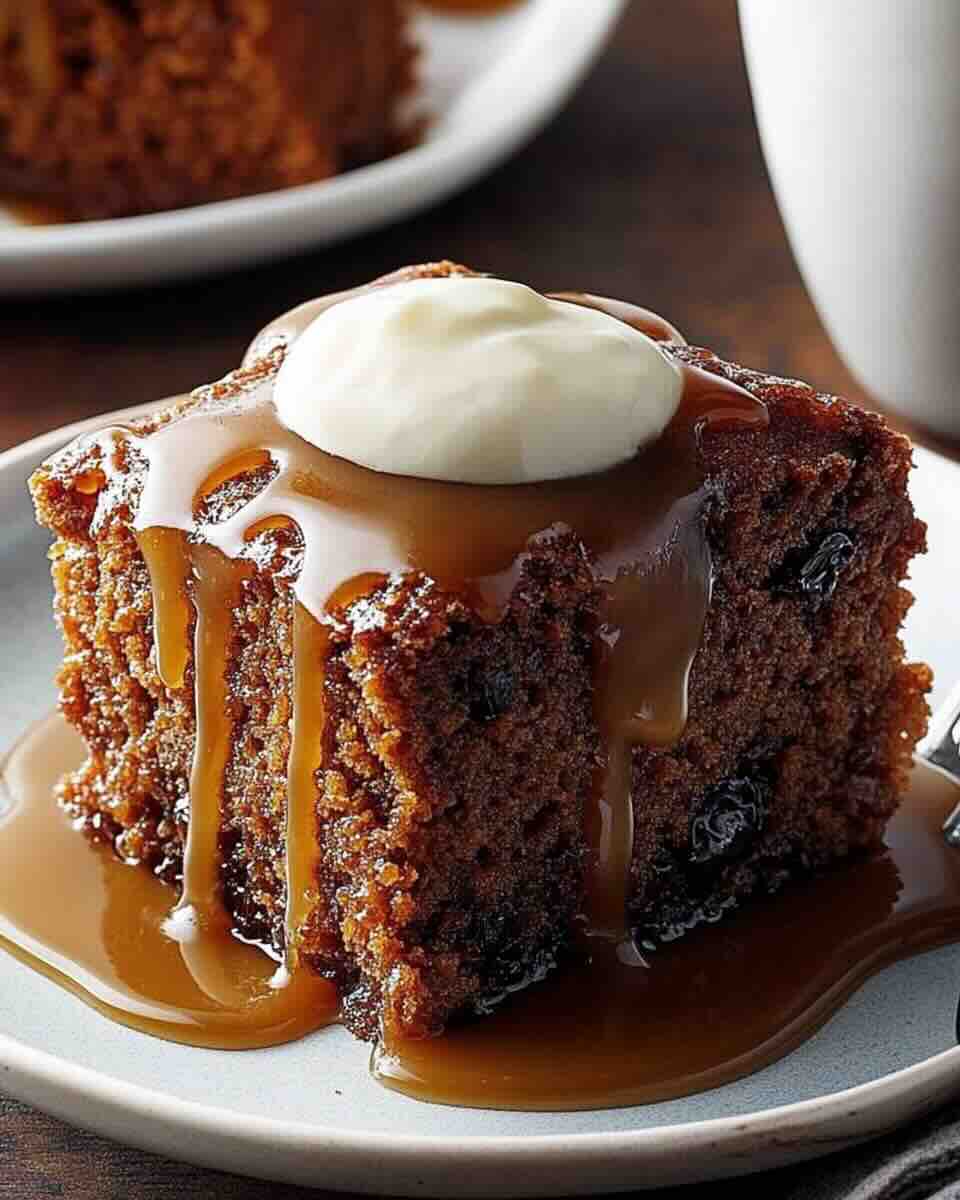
x=475, y=380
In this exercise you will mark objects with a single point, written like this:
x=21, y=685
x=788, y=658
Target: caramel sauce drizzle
x=249, y=1004
x=200, y=921
x=99, y=927
x=165, y=553
x=310, y=645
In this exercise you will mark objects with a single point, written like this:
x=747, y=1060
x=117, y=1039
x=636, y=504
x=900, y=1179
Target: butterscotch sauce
x=642, y=319
x=165, y=553
x=310, y=640
x=585, y=1038
x=97, y=926
x=724, y=1001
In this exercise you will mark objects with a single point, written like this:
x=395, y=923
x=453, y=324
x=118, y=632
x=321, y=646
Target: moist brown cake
x=110, y=108
x=460, y=753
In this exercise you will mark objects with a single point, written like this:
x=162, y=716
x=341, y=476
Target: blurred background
x=650, y=186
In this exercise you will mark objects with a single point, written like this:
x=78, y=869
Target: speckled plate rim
x=473, y=1165
x=502, y=109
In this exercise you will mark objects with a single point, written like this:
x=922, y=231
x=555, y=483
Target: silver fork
x=941, y=748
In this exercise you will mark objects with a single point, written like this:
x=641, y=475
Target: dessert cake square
x=431, y=755
x=109, y=109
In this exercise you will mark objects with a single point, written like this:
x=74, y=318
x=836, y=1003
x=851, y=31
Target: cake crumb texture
x=115, y=107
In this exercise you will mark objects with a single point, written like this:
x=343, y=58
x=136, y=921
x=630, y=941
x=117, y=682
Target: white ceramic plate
x=490, y=84
x=309, y=1113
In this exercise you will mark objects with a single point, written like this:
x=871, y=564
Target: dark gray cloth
x=921, y=1162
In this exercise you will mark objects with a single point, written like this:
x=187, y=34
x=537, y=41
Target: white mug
x=858, y=104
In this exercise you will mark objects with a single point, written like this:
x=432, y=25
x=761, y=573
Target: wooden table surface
x=650, y=186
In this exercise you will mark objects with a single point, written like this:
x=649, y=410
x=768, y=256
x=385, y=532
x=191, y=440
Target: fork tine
x=941, y=748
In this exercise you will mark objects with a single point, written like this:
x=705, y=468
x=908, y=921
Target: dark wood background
x=650, y=186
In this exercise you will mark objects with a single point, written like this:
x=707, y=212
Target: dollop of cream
x=475, y=380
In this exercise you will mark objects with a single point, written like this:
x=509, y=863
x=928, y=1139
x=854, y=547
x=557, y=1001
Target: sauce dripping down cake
x=429, y=740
